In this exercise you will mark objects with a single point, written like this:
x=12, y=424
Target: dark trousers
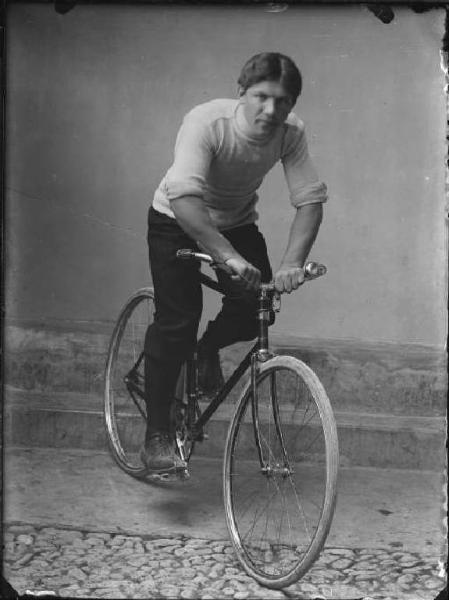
x=171, y=338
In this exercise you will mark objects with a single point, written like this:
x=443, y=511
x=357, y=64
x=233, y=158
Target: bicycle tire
x=268, y=461
x=126, y=422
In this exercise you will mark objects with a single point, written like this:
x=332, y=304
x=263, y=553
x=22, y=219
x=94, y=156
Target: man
x=207, y=200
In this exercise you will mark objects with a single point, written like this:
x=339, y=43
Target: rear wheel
x=124, y=401
x=124, y=395
x=280, y=472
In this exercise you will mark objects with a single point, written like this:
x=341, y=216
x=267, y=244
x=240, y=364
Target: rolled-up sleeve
x=302, y=178
x=193, y=154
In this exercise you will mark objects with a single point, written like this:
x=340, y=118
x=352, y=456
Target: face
x=266, y=105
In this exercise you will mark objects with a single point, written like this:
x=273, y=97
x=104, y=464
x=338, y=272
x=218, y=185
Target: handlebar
x=312, y=270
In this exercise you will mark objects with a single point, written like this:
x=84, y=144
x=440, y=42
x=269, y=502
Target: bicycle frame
x=223, y=393
x=259, y=351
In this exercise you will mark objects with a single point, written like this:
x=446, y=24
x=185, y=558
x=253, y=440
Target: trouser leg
x=178, y=303
x=237, y=320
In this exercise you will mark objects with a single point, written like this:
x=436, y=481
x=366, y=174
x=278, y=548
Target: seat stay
x=133, y=387
x=134, y=391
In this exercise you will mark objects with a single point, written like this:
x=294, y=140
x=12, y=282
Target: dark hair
x=271, y=66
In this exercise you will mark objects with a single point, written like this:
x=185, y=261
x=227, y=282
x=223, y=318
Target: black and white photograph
x=225, y=301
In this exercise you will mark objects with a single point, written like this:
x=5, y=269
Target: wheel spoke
x=262, y=509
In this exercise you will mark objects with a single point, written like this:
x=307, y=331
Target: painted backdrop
x=94, y=101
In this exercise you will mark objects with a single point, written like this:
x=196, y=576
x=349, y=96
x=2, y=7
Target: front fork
x=269, y=464
x=261, y=355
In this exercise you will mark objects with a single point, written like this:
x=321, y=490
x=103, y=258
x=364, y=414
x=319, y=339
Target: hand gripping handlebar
x=312, y=270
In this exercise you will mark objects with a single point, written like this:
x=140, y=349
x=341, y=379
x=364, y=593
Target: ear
x=240, y=91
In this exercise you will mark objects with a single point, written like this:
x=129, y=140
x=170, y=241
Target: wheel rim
x=125, y=409
x=279, y=513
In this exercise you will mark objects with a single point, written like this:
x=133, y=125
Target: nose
x=269, y=106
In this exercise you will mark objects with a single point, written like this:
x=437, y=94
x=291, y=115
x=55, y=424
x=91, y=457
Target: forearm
x=194, y=218
x=303, y=232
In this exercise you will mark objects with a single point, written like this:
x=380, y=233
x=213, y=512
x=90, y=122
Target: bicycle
x=281, y=454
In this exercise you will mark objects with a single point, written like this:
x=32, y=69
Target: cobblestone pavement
x=102, y=565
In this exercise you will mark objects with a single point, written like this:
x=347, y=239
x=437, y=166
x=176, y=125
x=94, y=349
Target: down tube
x=222, y=394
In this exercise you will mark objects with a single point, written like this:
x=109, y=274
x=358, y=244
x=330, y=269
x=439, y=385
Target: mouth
x=267, y=122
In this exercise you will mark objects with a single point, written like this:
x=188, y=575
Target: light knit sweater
x=217, y=159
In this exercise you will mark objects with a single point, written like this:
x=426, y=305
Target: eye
x=284, y=102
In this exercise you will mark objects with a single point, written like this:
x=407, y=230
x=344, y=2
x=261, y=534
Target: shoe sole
x=170, y=471
x=168, y=477
x=161, y=470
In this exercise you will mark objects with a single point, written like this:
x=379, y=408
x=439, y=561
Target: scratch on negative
x=75, y=213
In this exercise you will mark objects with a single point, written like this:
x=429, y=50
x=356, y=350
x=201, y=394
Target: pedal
x=184, y=475
x=168, y=477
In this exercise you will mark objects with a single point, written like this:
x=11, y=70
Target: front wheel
x=280, y=472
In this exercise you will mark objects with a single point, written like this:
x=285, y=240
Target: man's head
x=271, y=66
x=269, y=85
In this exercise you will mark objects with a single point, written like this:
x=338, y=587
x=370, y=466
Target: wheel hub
x=280, y=470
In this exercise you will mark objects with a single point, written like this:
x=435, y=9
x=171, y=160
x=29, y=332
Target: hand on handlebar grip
x=288, y=279
x=244, y=273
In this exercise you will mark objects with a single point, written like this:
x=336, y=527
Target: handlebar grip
x=313, y=269
x=185, y=253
